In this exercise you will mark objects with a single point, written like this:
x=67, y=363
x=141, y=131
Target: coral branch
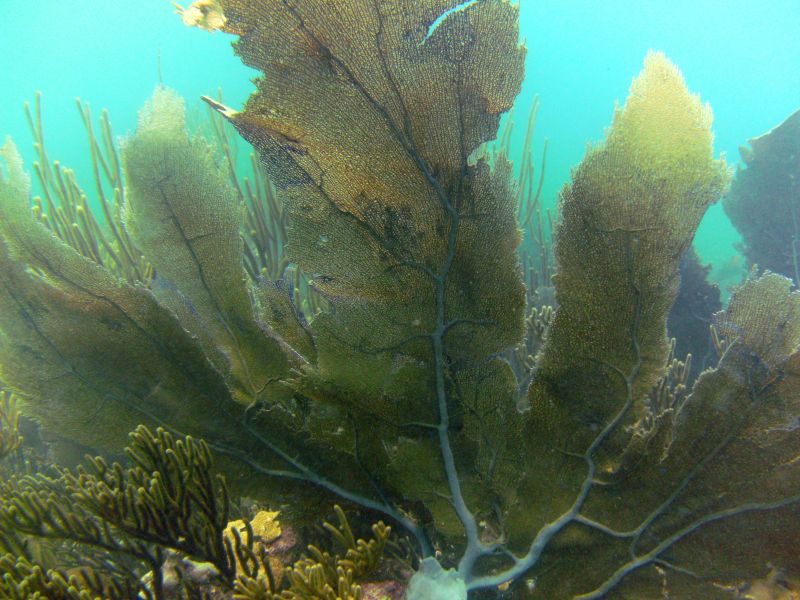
x=640, y=561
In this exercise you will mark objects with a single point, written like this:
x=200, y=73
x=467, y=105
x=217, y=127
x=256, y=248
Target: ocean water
x=740, y=56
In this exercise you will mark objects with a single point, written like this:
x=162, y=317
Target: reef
x=159, y=528
x=692, y=313
x=764, y=199
x=524, y=449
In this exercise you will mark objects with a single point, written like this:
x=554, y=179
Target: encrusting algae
x=402, y=381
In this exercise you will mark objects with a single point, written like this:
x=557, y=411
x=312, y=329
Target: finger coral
x=167, y=512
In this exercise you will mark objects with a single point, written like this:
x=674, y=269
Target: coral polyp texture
x=591, y=471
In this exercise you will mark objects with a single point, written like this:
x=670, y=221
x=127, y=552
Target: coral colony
x=370, y=314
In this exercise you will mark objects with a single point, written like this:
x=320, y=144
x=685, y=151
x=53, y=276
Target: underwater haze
x=740, y=56
x=400, y=299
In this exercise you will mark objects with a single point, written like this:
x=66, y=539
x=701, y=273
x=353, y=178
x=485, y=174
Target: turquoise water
x=741, y=56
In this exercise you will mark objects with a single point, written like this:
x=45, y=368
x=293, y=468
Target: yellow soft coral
x=265, y=526
x=266, y=529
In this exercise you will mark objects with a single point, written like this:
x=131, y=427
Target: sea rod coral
x=92, y=533
x=600, y=478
